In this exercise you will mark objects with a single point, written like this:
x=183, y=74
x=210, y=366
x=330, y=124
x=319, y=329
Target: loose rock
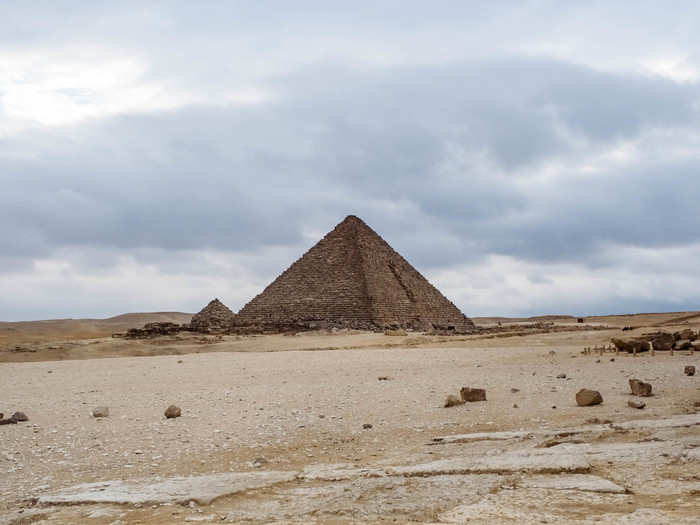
x=100, y=412
x=453, y=401
x=689, y=370
x=640, y=388
x=561, y=376
x=20, y=416
x=586, y=397
x=636, y=404
x=172, y=412
x=470, y=395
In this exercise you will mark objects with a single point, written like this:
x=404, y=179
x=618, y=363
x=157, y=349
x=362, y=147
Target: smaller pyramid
x=214, y=317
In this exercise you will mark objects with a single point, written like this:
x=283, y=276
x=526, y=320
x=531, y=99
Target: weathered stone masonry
x=352, y=278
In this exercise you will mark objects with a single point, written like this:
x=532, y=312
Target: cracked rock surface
x=302, y=412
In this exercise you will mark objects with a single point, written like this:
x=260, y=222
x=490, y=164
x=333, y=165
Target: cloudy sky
x=527, y=157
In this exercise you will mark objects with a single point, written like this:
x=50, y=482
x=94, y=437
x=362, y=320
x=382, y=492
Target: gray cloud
x=451, y=156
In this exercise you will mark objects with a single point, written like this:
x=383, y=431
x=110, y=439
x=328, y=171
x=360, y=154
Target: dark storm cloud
x=160, y=135
x=235, y=178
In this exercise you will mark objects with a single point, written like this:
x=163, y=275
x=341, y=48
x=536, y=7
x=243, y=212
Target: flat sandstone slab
x=536, y=461
x=338, y=472
x=584, y=482
x=679, y=421
x=200, y=489
x=480, y=436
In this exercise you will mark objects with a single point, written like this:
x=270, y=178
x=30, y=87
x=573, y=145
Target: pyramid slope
x=214, y=317
x=352, y=278
x=326, y=283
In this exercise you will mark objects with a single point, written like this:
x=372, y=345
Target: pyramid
x=214, y=317
x=353, y=278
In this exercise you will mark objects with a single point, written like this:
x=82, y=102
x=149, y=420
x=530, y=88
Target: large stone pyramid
x=353, y=278
x=214, y=317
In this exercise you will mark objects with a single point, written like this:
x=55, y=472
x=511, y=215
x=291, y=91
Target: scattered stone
x=514, y=390
x=515, y=405
x=259, y=462
x=470, y=395
x=561, y=376
x=640, y=388
x=383, y=378
x=100, y=412
x=636, y=404
x=586, y=397
x=689, y=370
x=172, y=412
x=367, y=426
x=19, y=416
x=453, y=401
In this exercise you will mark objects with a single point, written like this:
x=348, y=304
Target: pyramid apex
x=352, y=221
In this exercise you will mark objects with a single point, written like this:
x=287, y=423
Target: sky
x=528, y=157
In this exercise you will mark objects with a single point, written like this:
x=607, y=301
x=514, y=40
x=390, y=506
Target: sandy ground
x=247, y=399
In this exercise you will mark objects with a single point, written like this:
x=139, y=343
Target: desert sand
x=348, y=427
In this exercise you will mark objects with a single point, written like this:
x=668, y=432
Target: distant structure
x=214, y=317
x=352, y=279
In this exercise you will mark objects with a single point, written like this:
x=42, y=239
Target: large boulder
x=100, y=411
x=172, y=412
x=640, y=388
x=20, y=416
x=683, y=344
x=470, y=395
x=586, y=397
x=630, y=345
x=688, y=334
x=662, y=340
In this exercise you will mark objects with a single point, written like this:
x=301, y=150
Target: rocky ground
x=352, y=435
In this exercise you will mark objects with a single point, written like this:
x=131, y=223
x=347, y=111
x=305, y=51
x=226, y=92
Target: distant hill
x=57, y=329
